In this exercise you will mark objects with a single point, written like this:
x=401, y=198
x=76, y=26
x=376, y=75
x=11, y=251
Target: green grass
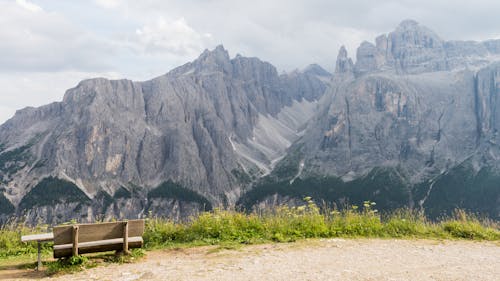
x=285, y=224
x=230, y=229
x=11, y=245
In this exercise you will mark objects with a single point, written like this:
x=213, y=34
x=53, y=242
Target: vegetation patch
x=11, y=245
x=288, y=167
x=14, y=160
x=122, y=192
x=77, y=263
x=5, y=206
x=285, y=224
x=459, y=188
x=52, y=191
x=462, y=188
x=104, y=199
x=241, y=176
x=382, y=185
x=176, y=191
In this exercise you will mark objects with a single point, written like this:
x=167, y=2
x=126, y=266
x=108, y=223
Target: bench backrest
x=97, y=231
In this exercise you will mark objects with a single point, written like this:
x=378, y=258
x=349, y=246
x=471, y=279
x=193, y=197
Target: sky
x=48, y=46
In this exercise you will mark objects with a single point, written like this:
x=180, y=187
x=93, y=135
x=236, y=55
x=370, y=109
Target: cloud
x=291, y=34
x=174, y=37
x=109, y=4
x=29, y=6
x=36, y=40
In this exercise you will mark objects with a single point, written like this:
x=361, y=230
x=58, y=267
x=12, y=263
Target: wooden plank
x=125, y=238
x=98, y=231
x=75, y=240
x=99, y=243
x=38, y=237
x=97, y=246
x=39, y=257
x=63, y=234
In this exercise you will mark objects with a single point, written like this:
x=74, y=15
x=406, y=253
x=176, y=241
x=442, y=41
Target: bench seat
x=116, y=244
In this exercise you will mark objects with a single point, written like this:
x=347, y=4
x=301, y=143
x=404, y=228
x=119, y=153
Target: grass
x=284, y=224
x=77, y=263
x=11, y=245
x=231, y=229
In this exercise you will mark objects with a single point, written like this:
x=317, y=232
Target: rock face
x=206, y=126
x=415, y=119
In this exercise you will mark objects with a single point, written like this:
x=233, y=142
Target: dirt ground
x=326, y=259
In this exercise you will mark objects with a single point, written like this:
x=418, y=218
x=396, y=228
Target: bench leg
x=39, y=265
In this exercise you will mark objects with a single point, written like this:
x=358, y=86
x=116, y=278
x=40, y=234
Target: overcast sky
x=48, y=46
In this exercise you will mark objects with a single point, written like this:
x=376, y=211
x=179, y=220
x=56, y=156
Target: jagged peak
x=366, y=44
x=342, y=52
x=408, y=23
x=316, y=69
x=208, y=61
x=219, y=52
x=344, y=63
x=412, y=33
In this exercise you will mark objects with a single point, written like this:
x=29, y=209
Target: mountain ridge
x=194, y=126
x=410, y=112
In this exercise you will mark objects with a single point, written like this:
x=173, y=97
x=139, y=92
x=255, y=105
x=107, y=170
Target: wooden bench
x=72, y=240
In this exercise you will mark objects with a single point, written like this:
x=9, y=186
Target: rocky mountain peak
x=215, y=60
x=315, y=69
x=368, y=58
x=410, y=48
x=408, y=23
x=344, y=63
x=414, y=48
x=411, y=33
x=219, y=53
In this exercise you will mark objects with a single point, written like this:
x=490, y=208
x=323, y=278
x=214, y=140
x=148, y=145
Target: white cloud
x=108, y=4
x=29, y=6
x=174, y=37
x=36, y=40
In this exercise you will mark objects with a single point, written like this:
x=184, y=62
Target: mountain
x=182, y=142
x=413, y=122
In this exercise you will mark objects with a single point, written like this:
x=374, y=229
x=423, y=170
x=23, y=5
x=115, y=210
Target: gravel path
x=328, y=259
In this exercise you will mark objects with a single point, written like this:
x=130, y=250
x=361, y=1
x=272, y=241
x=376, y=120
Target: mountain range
x=412, y=123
